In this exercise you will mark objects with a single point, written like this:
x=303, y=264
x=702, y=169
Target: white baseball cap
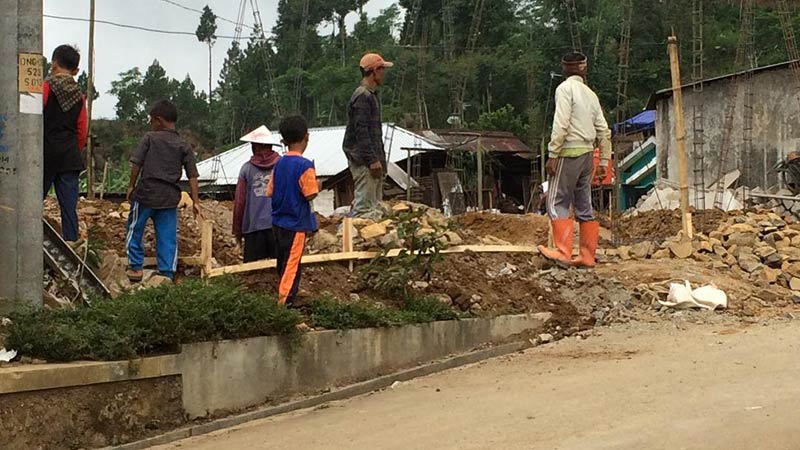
x=261, y=135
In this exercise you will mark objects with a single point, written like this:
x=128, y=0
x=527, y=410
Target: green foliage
x=332, y=314
x=150, y=321
x=83, y=83
x=422, y=249
x=136, y=93
x=206, y=31
x=503, y=119
x=519, y=44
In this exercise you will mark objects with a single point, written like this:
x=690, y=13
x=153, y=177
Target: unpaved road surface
x=639, y=386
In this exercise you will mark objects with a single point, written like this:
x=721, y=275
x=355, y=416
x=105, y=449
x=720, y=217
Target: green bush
x=330, y=313
x=150, y=321
x=390, y=276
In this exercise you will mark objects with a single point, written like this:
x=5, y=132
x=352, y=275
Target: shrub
x=150, y=321
x=330, y=313
x=390, y=276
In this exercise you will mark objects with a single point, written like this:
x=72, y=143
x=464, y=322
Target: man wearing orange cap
x=577, y=124
x=363, y=139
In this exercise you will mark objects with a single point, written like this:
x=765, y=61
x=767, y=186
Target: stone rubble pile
x=760, y=247
x=371, y=235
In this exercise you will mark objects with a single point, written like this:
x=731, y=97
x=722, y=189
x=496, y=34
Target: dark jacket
x=65, y=126
x=363, y=139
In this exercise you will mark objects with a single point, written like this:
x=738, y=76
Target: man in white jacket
x=578, y=124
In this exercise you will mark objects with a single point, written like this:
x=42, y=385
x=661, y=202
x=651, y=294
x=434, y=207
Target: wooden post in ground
x=206, y=245
x=480, y=174
x=680, y=135
x=103, y=183
x=347, y=238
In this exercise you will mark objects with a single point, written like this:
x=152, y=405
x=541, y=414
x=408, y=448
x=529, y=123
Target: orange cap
x=372, y=61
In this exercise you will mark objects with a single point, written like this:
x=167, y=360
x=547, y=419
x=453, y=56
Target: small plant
x=330, y=313
x=422, y=250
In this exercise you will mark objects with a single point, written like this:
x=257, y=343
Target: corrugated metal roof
x=490, y=141
x=324, y=148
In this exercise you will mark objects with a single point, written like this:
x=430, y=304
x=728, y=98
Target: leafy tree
x=129, y=105
x=503, y=119
x=156, y=85
x=83, y=83
x=206, y=32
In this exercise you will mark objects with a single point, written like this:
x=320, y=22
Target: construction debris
x=707, y=297
x=754, y=246
x=666, y=195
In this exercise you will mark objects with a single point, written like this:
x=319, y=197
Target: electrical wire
x=428, y=46
x=133, y=27
x=174, y=3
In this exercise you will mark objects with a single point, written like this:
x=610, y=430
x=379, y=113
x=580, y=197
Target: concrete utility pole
x=680, y=135
x=20, y=154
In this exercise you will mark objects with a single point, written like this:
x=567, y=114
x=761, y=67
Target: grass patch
x=150, y=321
x=332, y=314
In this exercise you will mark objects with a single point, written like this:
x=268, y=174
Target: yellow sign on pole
x=30, y=73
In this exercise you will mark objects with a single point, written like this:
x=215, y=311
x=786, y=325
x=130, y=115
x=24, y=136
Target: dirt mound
x=658, y=225
x=106, y=222
x=481, y=283
x=517, y=229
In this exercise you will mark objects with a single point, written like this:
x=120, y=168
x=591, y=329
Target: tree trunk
x=343, y=36
x=209, y=72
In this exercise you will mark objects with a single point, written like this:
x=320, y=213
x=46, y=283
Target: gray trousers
x=368, y=193
x=571, y=186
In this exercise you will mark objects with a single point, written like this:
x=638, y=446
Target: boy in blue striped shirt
x=292, y=186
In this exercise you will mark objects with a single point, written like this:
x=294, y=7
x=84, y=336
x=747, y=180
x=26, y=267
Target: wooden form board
x=204, y=260
x=150, y=261
x=354, y=256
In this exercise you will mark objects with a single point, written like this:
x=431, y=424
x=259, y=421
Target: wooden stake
x=103, y=183
x=347, y=238
x=480, y=174
x=680, y=135
x=206, y=245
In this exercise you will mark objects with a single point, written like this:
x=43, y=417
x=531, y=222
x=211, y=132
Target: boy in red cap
x=363, y=139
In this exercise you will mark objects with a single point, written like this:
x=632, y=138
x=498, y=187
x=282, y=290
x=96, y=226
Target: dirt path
x=653, y=386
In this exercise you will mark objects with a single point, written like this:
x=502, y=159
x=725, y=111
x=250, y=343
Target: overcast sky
x=120, y=49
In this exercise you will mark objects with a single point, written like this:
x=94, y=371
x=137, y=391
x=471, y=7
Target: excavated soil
x=105, y=222
x=658, y=225
x=513, y=228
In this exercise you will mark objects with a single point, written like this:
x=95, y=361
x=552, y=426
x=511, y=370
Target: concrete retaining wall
x=225, y=376
x=230, y=375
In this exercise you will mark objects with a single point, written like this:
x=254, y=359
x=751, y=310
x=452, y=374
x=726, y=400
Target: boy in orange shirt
x=292, y=186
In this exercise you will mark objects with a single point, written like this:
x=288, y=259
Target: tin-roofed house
x=219, y=174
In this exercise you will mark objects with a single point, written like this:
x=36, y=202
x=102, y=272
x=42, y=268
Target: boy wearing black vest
x=65, y=132
x=292, y=186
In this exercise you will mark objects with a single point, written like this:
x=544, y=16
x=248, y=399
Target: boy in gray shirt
x=157, y=164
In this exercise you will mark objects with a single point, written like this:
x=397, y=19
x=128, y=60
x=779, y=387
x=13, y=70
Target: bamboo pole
x=680, y=135
x=89, y=100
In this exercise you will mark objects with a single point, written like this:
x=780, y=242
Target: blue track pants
x=165, y=222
